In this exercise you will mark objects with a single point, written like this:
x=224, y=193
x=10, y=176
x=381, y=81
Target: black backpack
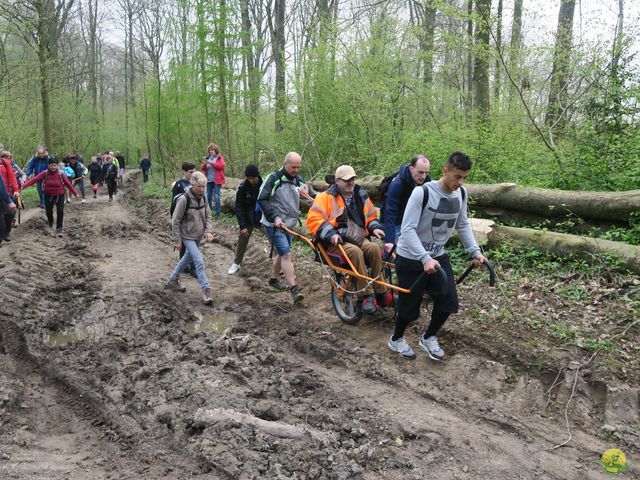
x=174, y=202
x=383, y=189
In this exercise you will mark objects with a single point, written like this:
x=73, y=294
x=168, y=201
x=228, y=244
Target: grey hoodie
x=425, y=232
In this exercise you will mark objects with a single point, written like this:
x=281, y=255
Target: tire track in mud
x=54, y=284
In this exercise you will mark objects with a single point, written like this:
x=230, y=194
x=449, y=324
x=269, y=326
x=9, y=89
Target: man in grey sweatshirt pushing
x=433, y=211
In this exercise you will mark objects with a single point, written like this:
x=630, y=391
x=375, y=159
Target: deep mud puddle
x=216, y=322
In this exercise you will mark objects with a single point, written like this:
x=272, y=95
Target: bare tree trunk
x=253, y=73
x=44, y=64
x=278, y=39
x=561, y=60
x=202, y=39
x=426, y=14
x=481, y=99
x=222, y=84
x=516, y=44
x=469, y=53
x=498, y=64
x=616, y=82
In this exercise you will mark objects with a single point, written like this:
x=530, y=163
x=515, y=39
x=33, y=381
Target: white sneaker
x=233, y=269
x=83, y=201
x=402, y=347
x=430, y=345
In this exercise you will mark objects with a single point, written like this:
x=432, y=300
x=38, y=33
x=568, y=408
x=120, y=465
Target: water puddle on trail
x=86, y=327
x=214, y=323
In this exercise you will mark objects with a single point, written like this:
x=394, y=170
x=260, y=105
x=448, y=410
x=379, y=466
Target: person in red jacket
x=11, y=183
x=53, y=185
x=213, y=168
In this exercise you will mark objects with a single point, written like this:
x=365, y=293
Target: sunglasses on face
x=437, y=222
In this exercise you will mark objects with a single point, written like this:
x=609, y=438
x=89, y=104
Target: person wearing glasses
x=328, y=220
x=426, y=228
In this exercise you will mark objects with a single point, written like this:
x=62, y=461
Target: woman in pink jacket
x=213, y=168
x=53, y=185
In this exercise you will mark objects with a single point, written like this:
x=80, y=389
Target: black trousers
x=111, y=186
x=49, y=202
x=444, y=304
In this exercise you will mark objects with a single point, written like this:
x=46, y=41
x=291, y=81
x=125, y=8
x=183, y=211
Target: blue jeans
x=213, y=190
x=40, y=192
x=280, y=239
x=191, y=254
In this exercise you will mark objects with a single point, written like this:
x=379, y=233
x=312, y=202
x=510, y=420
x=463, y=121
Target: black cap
x=52, y=160
x=251, y=170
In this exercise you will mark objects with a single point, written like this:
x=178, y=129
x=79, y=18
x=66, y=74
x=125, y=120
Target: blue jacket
x=398, y=195
x=5, y=199
x=37, y=165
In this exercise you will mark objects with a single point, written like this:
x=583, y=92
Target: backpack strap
x=425, y=198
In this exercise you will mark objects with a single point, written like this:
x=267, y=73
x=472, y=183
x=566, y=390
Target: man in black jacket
x=246, y=212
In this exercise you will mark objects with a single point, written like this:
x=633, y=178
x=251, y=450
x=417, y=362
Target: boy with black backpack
x=179, y=187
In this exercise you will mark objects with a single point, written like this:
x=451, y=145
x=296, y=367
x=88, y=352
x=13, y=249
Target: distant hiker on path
x=53, y=185
x=121, y=166
x=190, y=221
x=110, y=175
x=426, y=228
x=38, y=164
x=213, y=167
x=145, y=166
x=344, y=207
x=95, y=175
x=79, y=171
x=279, y=200
x=246, y=213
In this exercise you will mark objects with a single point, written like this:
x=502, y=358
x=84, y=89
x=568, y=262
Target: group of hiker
x=56, y=181
x=418, y=217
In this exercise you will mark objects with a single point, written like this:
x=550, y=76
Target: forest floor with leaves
x=104, y=374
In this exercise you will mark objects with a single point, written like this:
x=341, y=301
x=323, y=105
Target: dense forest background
x=365, y=82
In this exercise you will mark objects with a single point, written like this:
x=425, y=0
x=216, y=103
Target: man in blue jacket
x=38, y=163
x=410, y=176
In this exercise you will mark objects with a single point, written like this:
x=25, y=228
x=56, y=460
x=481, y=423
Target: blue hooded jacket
x=37, y=165
x=398, y=195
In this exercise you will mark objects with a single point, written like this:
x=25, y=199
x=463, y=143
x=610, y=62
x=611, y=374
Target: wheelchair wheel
x=345, y=303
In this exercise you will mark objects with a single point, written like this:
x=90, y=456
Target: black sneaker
x=277, y=285
x=296, y=294
x=59, y=232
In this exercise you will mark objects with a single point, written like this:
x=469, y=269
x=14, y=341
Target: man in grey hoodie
x=426, y=228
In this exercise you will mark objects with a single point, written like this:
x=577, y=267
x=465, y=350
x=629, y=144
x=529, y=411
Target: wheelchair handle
x=443, y=276
x=488, y=264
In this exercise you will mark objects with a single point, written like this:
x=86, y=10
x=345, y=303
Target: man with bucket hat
x=434, y=209
x=329, y=219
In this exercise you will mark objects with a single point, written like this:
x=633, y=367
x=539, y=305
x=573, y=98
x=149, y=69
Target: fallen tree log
x=609, y=206
x=565, y=244
x=232, y=418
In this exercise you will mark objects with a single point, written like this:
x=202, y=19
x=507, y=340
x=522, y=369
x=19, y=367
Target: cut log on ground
x=565, y=244
x=232, y=418
x=608, y=206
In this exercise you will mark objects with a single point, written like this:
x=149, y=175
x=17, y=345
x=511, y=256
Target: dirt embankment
x=103, y=374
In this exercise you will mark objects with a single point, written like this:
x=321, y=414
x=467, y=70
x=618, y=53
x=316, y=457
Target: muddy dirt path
x=103, y=374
